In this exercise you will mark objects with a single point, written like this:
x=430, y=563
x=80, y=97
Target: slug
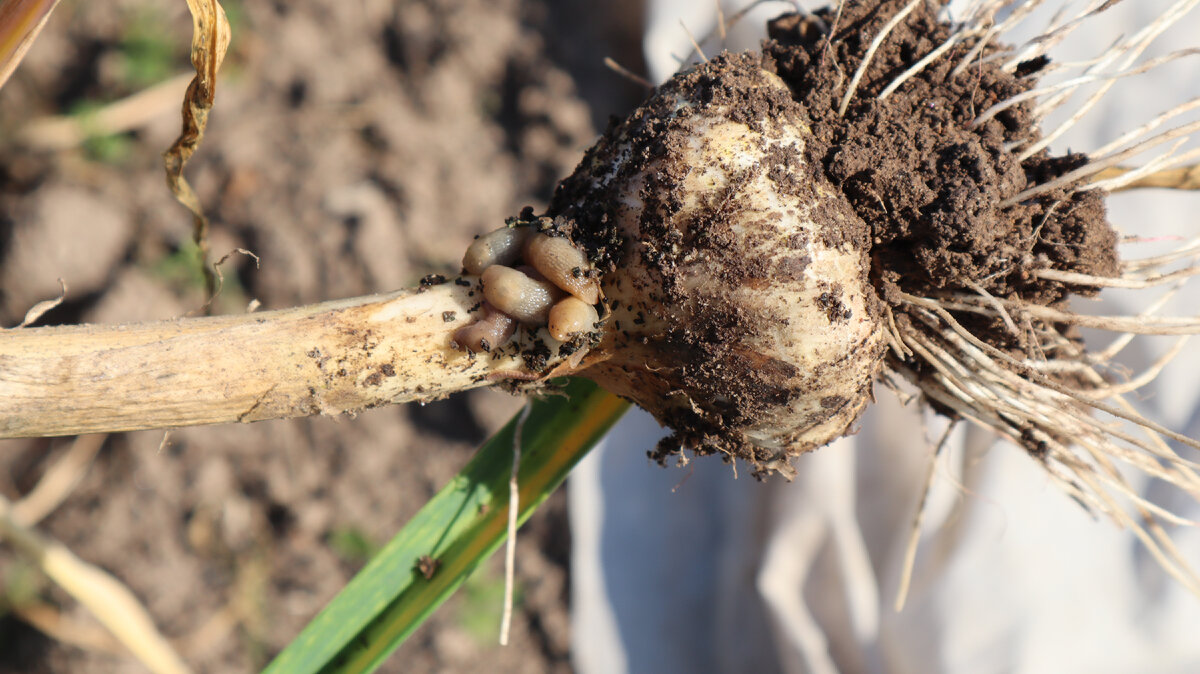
x=502, y=246
x=520, y=295
x=563, y=264
x=571, y=316
x=488, y=333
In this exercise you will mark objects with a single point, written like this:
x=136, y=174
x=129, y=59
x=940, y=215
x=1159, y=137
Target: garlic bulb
x=741, y=310
x=772, y=231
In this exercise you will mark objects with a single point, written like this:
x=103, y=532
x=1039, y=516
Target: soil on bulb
x=922, y=185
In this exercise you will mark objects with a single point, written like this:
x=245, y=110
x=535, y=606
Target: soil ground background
x=354, y=148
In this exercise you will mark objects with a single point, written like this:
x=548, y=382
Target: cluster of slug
x=556, y=287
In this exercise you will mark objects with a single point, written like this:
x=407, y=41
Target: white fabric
x=690, y=570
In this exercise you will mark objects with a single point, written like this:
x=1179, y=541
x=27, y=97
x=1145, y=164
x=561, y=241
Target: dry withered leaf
x=20, y=23
x=210, y=41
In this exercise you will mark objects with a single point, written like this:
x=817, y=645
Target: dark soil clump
x=917, y=169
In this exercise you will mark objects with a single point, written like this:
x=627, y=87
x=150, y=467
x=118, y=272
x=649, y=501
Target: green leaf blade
x=457, y=530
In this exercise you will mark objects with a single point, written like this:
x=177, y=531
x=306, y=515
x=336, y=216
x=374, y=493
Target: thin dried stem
x=1164, y=162
x=514, y=508
x=20, y=23
x=914, y=536
x=692, y=38
x=725, y=24
x=59, y=480
x=100, y=593
x=1181, y=178
x=58, y=624
x=1126, y=281
x=60, y=132
x=627, y=73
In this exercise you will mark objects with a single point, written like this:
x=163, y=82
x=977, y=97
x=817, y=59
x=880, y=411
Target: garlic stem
x=327, y=358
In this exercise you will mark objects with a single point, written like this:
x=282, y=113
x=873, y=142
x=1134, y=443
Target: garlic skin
x=742, y=312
